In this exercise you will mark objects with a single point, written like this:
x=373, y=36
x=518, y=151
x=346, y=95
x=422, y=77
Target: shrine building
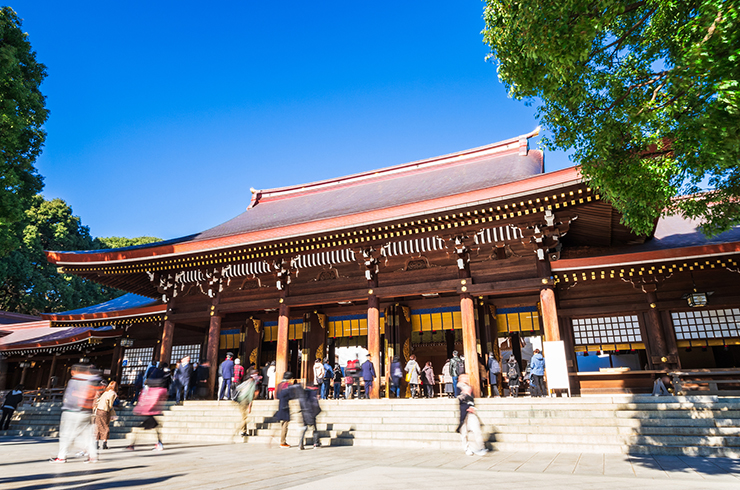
x=478, y=251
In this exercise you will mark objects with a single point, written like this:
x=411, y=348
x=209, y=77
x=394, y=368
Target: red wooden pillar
x=467, y=314
x=373, y=339
x=165, y=347
x=549, y=314
x=214, y=338
x=281, y=358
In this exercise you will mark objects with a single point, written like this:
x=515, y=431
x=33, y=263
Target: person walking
x=469, y=421
x=271, y=381
x=427, y=375
x=337, y=381
x=494, y=371
x=201, y=376
x=103, y=411
x=77, y=406
x=513, y=376
x=328, y=377
x=309, y=410
x=150, y=405
x=457, y=367
x=244, y=395
x=447, y=378
x=184, y=376
x=537, y=374
x=263, y=383
x=226, y=370
x=284, y=394
x=13, y=399
x=412, y=375
x=368, y=375
x=396, y=376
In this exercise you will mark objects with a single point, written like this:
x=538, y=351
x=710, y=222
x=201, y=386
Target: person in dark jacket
x=494, y=371
x=12, y=400
x=396, y=376
x=309, y=410
x=537, y=374
x=328, y=376
x=183, y=376
x=368, y=375
x=457, y=367
x=263, y=382
x=201, y=380
x=427, y=376
x=337, y=381
x=284, y=393
x=513, y=376
x=226, y=370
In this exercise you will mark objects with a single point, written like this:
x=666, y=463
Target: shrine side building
x=479, y=251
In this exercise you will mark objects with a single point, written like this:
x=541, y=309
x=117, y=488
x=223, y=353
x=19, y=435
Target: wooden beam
x=500, y=288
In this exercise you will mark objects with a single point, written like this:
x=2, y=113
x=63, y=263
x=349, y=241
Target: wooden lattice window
x=706, y=324
x=135, y=360
x=606, y=330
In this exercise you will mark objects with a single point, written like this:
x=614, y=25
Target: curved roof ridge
x=511, y=144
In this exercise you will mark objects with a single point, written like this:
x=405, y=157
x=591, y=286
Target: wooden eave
x=498, y=206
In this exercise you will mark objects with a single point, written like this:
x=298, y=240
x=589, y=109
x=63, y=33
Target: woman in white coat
x=413, y=370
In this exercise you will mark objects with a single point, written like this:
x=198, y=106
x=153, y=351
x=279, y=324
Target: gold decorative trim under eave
x=407, y=350
x=406, y=313
x=636, y=272
x=322, y=320
x=510, y=210
x=257, y=324
x=111, y=322
x=253, y=357
x=320, y=352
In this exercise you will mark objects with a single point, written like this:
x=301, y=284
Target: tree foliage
x=644, y=92
x=22, y=115
x=121, y=242
x=29, y=283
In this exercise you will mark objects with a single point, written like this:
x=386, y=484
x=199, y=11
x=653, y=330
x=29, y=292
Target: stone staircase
x=694, y=426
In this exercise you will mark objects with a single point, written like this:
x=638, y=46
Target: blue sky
x=165, y=113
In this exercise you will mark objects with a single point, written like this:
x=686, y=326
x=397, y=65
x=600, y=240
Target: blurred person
x=12, y=400
x=328, y=376
x=284, y=394
x=447, y=378
x=412, y=376
x=193, y=386
x=245, y=393
x=201, y=376
x=309, y=410
x=396, y=376
x=537, y=374
x=77, y=406
x=226, y=370
x=513, y=376
x=184, y=379
x=150, y=405
x=494, y=371
x=138, y=385
x=469, y=421
x=368, y=375
x=337, y=381
x=427, y=375
x=271, y=374
x=104, y=413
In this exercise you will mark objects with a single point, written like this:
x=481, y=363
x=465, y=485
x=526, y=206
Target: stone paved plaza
x=24, y=466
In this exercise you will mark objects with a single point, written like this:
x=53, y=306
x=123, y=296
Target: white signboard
x=556, y=367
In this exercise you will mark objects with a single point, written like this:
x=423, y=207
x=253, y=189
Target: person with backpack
x=150, y=405
x=318, y=373
x=427, y=375
x=412, y=375
x=245, y=393
x=310, y=408
x=513, y=376
x=328, y=376
x=494, y=371
x=12, y=400
x=349, y=379
x=447, y=377
x=77, y=407
x=457, y=367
